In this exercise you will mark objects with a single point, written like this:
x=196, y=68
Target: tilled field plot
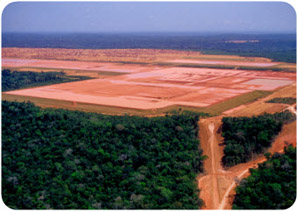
x=159, y=87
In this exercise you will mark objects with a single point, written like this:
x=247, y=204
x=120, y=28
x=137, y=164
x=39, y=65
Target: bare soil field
x=141, y=86
x=158, y=87
x=261, y=106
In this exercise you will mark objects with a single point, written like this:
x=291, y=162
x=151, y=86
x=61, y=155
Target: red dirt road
x=208, y=184
x=217, y=185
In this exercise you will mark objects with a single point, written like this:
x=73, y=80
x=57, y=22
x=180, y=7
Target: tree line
x=245, y=137
x=12, y=80
x=271, y=186
x=284, y=100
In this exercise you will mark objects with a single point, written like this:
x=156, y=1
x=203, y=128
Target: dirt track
x=209, y=143
x=217, y=184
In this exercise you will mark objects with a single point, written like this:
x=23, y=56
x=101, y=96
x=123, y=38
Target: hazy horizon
x=148, y=33
x=149, y=17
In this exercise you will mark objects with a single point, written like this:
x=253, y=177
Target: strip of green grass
x=218, y=108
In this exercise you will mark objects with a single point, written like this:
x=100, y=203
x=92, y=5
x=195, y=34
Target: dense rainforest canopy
x=271, y=186
x=63, y=159
x=245, y=137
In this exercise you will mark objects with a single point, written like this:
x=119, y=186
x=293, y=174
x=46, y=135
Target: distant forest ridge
x=278, y=47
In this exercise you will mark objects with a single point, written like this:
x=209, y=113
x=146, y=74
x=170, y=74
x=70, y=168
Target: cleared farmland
x=148, y=87
x=150, y=83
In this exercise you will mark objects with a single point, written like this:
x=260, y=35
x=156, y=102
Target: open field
x=137, y=87
x=149, y=56
x=261, y=106
x=161, y=88
x=113, y=110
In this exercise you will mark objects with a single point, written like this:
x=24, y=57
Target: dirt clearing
x=217, y=184
x=159, y=88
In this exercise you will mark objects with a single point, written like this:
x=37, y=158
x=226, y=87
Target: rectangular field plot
x=134, y=95
x=158, y=87
x=268, y=84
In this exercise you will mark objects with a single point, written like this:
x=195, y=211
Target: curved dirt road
x=217, y=184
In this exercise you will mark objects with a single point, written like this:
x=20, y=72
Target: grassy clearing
x=215, y=109
x=261, y=106
x=220, y=107
x=237, y=101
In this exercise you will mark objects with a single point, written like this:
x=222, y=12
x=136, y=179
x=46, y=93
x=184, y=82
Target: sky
x=96, y=17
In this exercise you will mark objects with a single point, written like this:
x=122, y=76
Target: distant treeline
x=245, y=137
x=284, y=100
x=271, y=186
x=279, y=47
x=63, y=159
x=12, y=80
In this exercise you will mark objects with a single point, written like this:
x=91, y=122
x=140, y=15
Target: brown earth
x=97, y=55
x=142, y=86
x=217, y=184
x=208, y=183
x=261, y=106
x=140, y=55
x=150, y=87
